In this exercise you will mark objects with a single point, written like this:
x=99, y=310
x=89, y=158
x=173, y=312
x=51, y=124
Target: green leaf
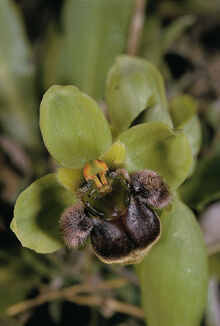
x=18, y=105
x=183, y=113
x=155, y=146
x=134, y=85
x=115, y=155
x=37, y=212
x=93, y=33
x=174, y=276
x=74, y=128
x=203, y=187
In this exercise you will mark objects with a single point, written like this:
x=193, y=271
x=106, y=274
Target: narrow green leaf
x=18, y=105
x=150, y=47
x=95, y=32
x=174, y=276
x=155, y=146
x=74, y=128
x=52, y=65
x=157, y=39
x=37, y=212
x=203, y=187
x=175, y=30
x=134, y=85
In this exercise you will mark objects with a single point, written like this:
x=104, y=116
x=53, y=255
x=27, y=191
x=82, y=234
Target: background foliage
x=44, y=42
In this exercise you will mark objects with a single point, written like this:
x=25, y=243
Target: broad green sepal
x=37, y=212
x=174, y=276
x=73, y=127
x=115, y=155
x=134, y=85
x=155, y=146
x=183, y=110
x=69, y=178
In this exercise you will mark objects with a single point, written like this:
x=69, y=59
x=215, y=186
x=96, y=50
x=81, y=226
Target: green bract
x=76, y=131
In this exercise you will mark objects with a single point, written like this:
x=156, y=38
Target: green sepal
x=73, y=127
x=156, y=147
x=37, y=212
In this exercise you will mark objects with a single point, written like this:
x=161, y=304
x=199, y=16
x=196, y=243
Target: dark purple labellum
x=127, y=238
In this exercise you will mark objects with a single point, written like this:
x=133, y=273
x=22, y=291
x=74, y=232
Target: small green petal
x=73, y=127
x=155, y=146
x=69, y=178
x=115, y=156
x=135, y=85
x=37, y=212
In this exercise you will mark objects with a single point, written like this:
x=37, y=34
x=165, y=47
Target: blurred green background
x=46, y=42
